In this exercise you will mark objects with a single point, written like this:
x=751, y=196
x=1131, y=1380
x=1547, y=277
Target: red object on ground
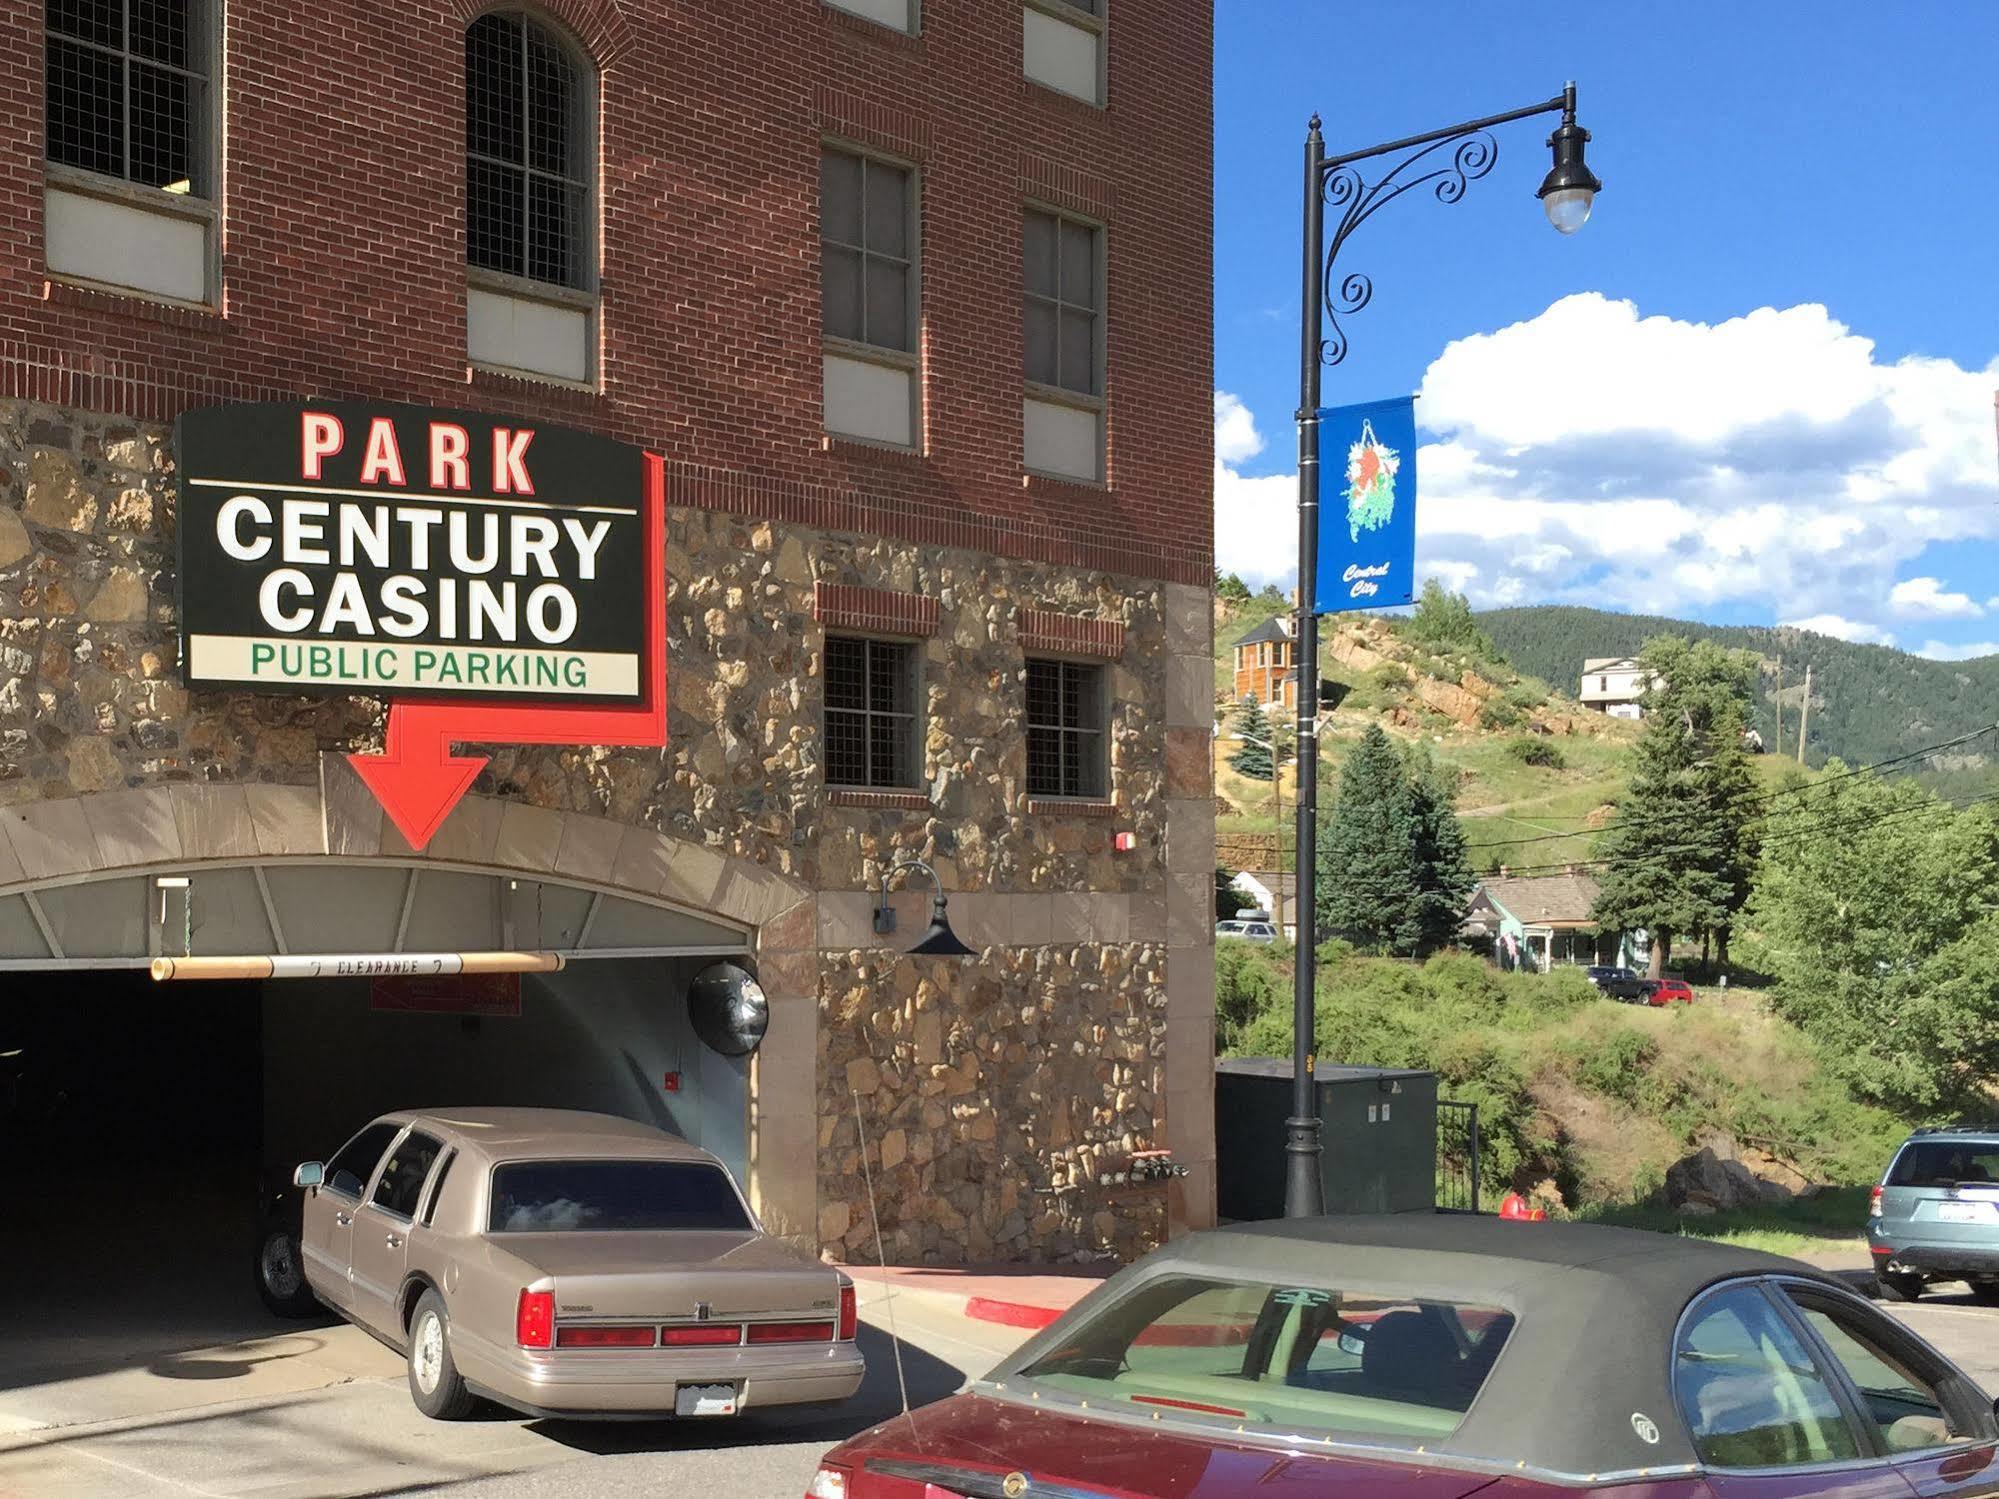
x=1514, y=1206
x=1010, y=1313
x=1671, y=992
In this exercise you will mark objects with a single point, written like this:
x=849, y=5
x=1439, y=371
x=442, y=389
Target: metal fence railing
x=1457, y=1157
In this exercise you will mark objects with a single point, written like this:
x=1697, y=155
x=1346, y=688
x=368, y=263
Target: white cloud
x=1927, y=596
x=1256, y=519
x=1938, y=650
x=1236, y=437
x=1843, y=629
x=1592, y=455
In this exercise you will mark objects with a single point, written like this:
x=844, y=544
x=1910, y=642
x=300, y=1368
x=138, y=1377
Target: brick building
x=911, y=306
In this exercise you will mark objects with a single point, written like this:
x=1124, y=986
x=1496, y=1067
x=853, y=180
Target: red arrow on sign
x=418, y=780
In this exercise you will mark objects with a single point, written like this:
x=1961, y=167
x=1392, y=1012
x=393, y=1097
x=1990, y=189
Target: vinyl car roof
x=1591, y=1350
x=532, y=1134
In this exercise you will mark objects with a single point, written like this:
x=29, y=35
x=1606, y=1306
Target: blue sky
x=1756, y=387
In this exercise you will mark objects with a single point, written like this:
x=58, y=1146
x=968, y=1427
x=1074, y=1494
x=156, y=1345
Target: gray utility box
x=1379, y=1129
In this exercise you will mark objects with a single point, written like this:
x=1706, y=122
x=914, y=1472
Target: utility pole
x=1780, y=706
x=1805, y=713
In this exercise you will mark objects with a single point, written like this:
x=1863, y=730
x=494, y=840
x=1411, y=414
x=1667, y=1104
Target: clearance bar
x=356, y=965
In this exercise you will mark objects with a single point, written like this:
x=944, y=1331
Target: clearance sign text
x=409, y=551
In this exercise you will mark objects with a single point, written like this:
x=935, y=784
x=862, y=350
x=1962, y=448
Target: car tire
x=435, y=1384
x=1894, y=1287
x=281, y=1275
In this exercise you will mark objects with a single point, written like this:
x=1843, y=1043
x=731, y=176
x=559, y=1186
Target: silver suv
x=1935, y=1215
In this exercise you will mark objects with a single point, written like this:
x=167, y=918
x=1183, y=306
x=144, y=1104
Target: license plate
x=1966, y=1212
x=705, y=1400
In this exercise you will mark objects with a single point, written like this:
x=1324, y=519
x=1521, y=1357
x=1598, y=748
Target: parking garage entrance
x=146, y=1128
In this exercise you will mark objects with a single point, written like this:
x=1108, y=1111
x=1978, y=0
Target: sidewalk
x=1024, y=1296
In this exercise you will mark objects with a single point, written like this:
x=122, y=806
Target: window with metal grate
x=126, y=85
x=1065, y=729
x=871, y=715
x=527, y=174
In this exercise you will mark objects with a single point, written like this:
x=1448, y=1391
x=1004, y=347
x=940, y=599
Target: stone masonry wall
x=996, y=1092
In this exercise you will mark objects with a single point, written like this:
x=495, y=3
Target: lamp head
x=1569, y=190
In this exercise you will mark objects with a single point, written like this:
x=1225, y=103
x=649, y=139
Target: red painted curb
x=1010, y=1313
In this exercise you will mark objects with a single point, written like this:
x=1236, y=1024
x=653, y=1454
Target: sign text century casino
x=408, y=568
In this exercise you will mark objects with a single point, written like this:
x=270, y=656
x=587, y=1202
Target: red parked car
x=1669, y=992
x=1434, y=1357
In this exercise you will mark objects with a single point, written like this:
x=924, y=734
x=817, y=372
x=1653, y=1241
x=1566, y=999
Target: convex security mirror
x=728, y=1009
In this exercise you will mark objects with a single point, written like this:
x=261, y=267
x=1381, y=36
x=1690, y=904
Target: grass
x=1828, y=1219
x=1594, y=1098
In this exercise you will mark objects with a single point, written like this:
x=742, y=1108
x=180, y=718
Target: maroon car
x=1433, y=1357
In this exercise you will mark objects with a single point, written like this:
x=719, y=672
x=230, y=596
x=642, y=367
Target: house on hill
x=1535, y=922
x=1266, y=664
x=1613, y=685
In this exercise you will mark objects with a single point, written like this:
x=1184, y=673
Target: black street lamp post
x=1452, y=159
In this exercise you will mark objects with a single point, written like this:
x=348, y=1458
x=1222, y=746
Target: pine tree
x=1253, y=760
x=1442, y=868
x=1678, y=857
x=1367, y=849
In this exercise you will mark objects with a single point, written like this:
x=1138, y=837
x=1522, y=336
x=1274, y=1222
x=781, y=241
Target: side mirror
x=1353, y=1341
x=311, y=1174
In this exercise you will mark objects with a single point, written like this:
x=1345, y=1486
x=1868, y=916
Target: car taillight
x=703, y=1335
x=534, y=1319
x=1874, y=1203
x=828, y=1483
x=791, y=1332
x=604, y=1337
x=850, y=1314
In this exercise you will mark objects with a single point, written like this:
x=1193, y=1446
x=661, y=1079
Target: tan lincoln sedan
x=569, y=1264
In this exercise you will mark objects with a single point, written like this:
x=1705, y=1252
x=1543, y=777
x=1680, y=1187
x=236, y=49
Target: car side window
x=437, y=1188
x=1749, y=1390
x=403, y=1174
x=348, y=1172
x=1904, y=1407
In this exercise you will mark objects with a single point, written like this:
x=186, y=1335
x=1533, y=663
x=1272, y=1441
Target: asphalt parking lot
x=320, y=1409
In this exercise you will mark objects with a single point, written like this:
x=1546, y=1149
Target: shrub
x=1389, y=679
x=1532, y=750
x=1499, y=714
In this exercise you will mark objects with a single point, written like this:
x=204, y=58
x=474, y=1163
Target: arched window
x=527, y=152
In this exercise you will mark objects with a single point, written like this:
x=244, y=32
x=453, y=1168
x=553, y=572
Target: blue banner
x=1367, y=506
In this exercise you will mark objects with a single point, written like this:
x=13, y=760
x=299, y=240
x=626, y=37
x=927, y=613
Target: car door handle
x=395, y=1241
x=343, y=1220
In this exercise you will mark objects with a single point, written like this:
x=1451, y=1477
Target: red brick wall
x=343, y=252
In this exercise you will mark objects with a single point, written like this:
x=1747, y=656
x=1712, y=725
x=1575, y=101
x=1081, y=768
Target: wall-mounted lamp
x=940, y=941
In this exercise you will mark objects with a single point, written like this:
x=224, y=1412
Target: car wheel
x=281, y=1275
x=1893, y=1287
x=435, y=1384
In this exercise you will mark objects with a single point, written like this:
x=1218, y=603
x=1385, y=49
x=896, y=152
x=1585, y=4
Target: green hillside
x=1869, y=703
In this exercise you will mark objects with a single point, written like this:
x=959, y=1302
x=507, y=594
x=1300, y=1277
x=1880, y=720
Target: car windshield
x=1946, y=1163
x=601, y=1196
x=1296, y=1357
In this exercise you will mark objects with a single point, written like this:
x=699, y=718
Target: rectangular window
x=129, y=184
x=403, y=1175
x=867, y=251
x=1065, y=729
x=897, y=15
x=1063, y=333
x=613, y=1196
x=1195, y=1352
x=127, y=84
x=871, y=720
x=1062, y=46
x=869, y=297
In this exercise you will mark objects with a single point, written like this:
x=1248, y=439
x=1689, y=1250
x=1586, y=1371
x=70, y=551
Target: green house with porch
x=1538, y=922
